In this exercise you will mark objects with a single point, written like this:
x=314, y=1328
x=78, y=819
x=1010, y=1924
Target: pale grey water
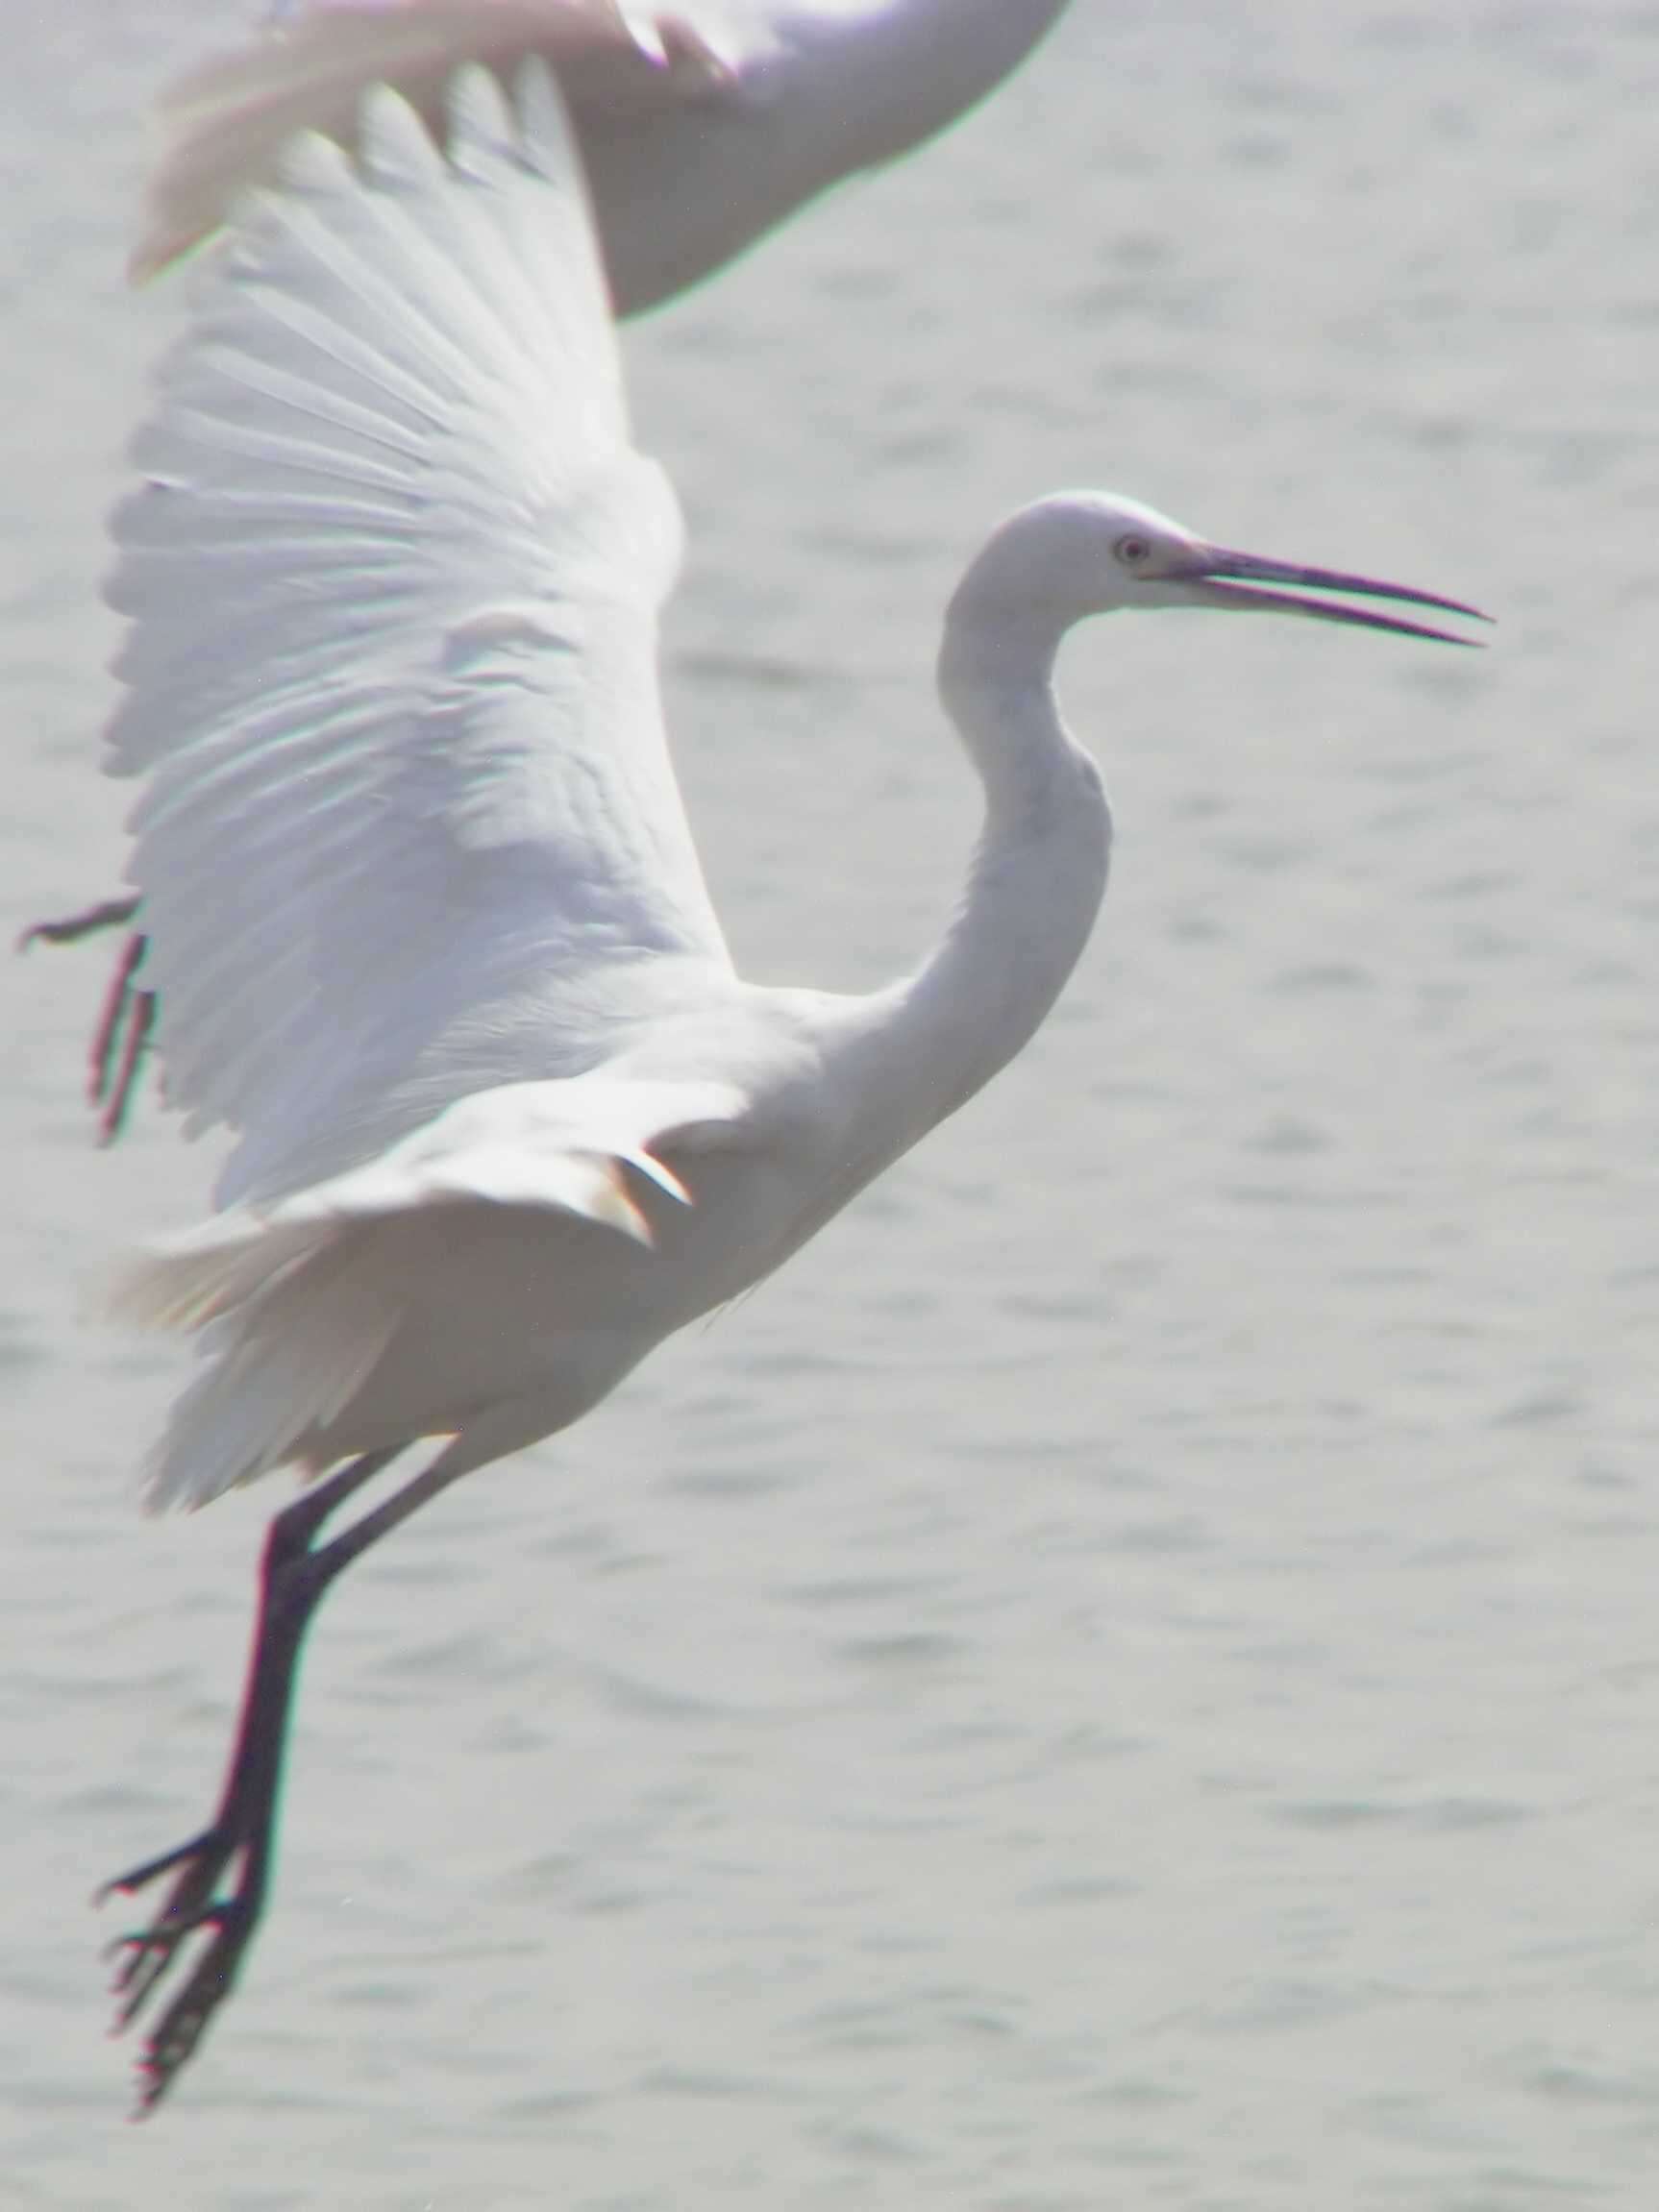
x=1128, y=1677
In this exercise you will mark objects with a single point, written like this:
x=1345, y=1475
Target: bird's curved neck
x=1037, y=875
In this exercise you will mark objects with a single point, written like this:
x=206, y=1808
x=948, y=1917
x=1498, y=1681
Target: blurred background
x=1129, y=1675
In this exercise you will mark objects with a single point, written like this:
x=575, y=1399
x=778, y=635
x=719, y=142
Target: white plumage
x=701, y=125
x=700, y=129
x=410, y=839
x=428, y=927
x=410, y=844
x=395, y=573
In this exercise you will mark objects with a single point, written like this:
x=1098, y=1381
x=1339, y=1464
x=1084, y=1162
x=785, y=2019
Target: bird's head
x=1081, y=554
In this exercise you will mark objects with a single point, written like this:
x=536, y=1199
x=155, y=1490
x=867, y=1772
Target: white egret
x=427, y=922
x=701, y=128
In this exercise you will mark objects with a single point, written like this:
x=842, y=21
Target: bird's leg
x=124, y=1006
x=293, y=1577
x=127, y=1020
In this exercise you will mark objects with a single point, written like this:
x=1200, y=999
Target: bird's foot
x=107, y=914
x=215, y=1884
x=191, y=1907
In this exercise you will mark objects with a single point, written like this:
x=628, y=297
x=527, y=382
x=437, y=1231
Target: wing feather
x=227, y=120
x=393, y=577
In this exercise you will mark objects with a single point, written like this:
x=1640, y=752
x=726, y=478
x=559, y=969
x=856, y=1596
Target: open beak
x=1216, y=577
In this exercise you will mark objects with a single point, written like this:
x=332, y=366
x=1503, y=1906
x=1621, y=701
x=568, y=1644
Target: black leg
x=111, y=1017
x=107, y=914
x=127, y=1020
x=240, y=1839
x=115, y=1094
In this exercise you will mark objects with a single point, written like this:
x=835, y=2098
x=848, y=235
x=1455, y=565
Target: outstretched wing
x=394, y=573
x=226, y=123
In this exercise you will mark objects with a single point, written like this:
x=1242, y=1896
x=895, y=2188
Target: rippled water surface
x=1130, y=1676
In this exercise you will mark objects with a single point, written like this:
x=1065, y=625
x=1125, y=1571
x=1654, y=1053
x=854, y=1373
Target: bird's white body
x=701, y=126
x=425, y=914
x=498, y=1271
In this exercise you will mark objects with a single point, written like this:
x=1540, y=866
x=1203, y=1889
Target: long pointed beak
x=1217, y=577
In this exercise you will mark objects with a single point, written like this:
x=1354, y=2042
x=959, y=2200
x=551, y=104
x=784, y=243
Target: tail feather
x=262, y=1394
x=194, y=1279
x=297, y=1304
x=289, y=1335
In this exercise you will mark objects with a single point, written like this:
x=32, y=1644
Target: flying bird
x=427, y=921
x=701, y=128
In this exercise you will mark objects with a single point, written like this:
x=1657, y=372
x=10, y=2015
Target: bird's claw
x=144, y=1956
x=209, y=1850
x=180, y=2027
x=154, y=1947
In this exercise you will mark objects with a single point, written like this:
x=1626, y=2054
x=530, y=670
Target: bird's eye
x=1133, y=552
